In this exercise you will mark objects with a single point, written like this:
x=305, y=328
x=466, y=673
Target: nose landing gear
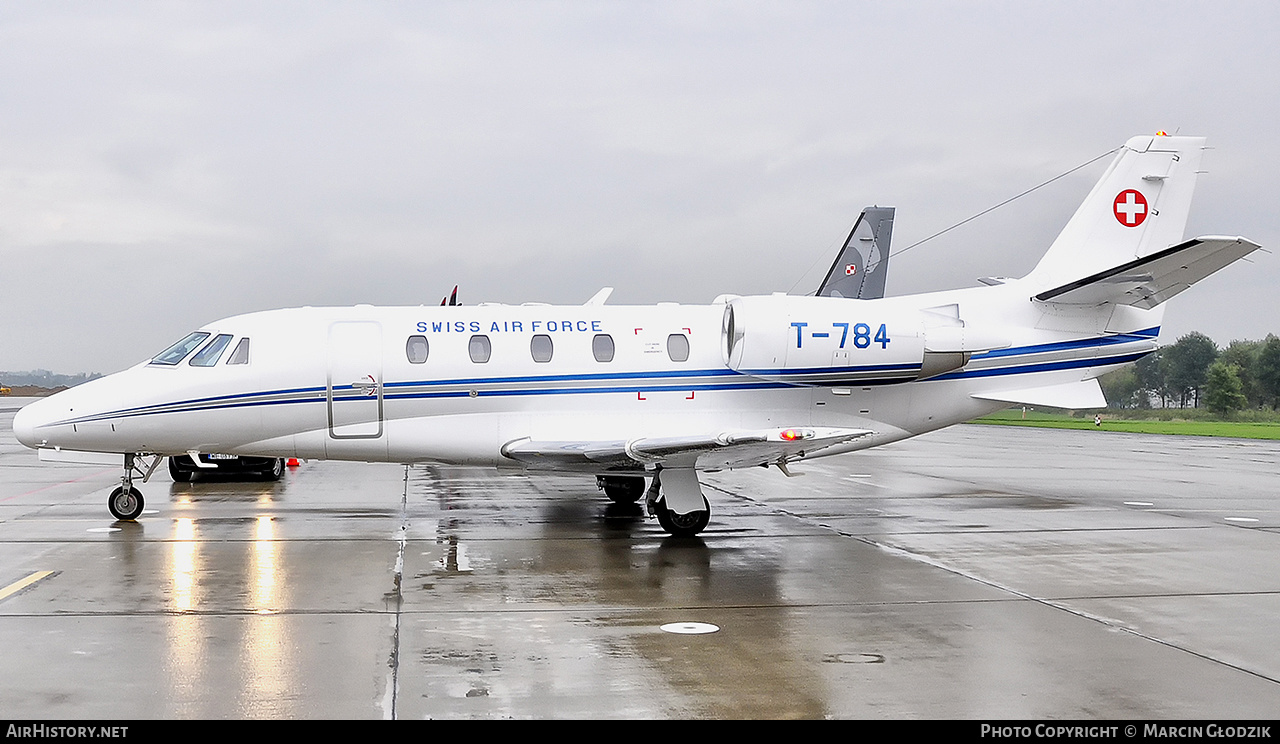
x=125, y=503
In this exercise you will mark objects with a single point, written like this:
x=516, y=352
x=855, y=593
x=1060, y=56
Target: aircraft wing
x=1149, y=281
x=728, y=449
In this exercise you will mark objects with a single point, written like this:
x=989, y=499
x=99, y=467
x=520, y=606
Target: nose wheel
x=125, y=503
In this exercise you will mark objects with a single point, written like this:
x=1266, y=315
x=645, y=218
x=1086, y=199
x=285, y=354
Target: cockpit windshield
x=212, y=352
x=180, y=350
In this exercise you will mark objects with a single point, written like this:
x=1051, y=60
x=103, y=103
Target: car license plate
x=223, y=457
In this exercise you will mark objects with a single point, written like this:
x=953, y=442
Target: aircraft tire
x=623, y=489
x=125, y=506
x=684, y=525
x=178, y=474
x=276, y=471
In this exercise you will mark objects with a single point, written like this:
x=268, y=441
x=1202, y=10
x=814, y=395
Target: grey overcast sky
x=166, y=164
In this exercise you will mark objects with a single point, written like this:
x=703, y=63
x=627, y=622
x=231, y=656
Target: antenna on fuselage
x=452, y=299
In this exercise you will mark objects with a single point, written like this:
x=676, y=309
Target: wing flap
x=1149, y=281
x=728, y=449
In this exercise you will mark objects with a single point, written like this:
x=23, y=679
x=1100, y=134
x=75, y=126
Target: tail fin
x=1139, y=207
x=863, y=263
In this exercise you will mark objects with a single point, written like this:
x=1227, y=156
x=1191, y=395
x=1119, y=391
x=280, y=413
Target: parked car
x=182, y=468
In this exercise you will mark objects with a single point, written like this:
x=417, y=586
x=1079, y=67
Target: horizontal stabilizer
x=730, y=449
x=1073, y=396
x=1149, y=281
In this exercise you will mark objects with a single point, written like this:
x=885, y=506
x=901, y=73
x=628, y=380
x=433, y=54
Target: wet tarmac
x=978, y=572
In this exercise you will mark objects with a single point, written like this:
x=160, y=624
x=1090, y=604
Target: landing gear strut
x=125, y=503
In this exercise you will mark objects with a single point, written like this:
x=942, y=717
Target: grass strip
x=1236, y=429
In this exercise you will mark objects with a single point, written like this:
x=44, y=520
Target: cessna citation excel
x=665, y=391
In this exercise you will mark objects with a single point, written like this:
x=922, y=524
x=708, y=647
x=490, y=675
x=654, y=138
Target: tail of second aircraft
x=862, y=265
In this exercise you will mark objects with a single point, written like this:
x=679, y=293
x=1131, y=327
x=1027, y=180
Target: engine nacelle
x=830, y=341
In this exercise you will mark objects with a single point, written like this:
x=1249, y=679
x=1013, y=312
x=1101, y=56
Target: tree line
x=1194, y=372
x=46, y=379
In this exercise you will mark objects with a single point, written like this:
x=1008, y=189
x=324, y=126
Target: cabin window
x=541, y=348
x=602, y=347
x=416, y=349
x=678, y=347
x=480, y=349
x=212, y=351
x=180, y=350
x=241, y=353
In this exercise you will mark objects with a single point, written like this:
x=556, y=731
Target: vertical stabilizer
x=863, y=263
x=1138, y=207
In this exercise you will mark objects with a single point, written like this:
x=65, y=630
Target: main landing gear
x=674, y=497
x=125, y=503
x=621, y=489
x=683, y=525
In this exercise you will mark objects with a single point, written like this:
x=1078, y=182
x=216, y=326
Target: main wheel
x=276, y=471
x=623, y=489
x=125, y=505
x=178, y=474
x=684, y=525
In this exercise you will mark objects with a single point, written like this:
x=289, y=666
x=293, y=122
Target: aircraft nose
x=24, y=425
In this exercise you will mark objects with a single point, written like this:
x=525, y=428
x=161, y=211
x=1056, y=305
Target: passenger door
x=355, y=380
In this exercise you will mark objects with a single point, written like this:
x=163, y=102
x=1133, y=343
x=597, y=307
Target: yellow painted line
x=21, y=584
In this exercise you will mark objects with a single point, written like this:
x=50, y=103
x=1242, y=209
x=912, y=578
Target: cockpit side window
x=212, y=351
x=241, y=353
x=180, y=350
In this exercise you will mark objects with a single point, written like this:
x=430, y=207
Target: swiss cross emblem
x=850, y=270
x=1130, y=207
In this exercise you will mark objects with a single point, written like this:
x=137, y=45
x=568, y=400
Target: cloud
x=163, y=166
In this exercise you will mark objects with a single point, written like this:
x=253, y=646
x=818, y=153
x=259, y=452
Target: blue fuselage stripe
x=656, y=381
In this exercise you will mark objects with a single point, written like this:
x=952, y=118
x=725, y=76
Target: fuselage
x=453, y=385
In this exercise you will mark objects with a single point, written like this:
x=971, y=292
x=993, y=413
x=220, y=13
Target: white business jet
x=665, y=391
